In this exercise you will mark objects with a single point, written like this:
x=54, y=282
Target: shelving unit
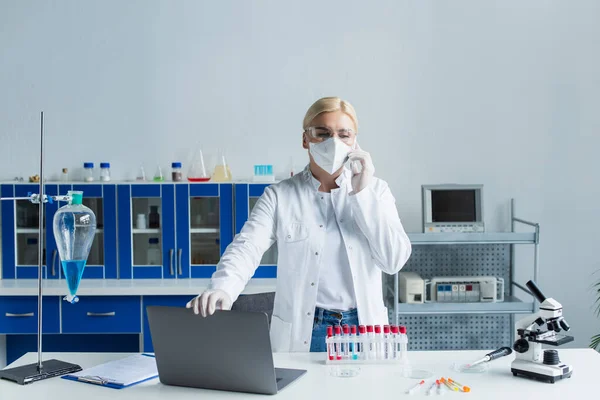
x=495, y=250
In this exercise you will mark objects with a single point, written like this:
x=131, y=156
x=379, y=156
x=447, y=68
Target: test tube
x=378, y=344
x=403, y=341
x=370, y=343
x=338, y=342
x=346, y=342
x=353, y=343
x=361, y=342
x=386, y=343
x=394, y=342
x=329, y=341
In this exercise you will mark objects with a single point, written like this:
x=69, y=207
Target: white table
x=374, y=382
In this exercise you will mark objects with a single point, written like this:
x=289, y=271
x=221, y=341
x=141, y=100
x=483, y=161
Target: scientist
x=336, y=228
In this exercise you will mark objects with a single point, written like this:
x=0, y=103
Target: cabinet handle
x=179, y=261
x=54, y=252
x=101, y=314
x=11, y=315
x=171, y=254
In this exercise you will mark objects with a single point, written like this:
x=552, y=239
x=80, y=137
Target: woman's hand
x=361, y=177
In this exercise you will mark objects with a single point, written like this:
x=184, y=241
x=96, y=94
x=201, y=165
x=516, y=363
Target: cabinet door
x=246, y=196
x=146, y=231
x=101, y=199
x=204, y=227
x=20, y=233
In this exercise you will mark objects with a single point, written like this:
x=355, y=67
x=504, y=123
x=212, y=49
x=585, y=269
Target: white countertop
x=124, y=287
x=372, y=382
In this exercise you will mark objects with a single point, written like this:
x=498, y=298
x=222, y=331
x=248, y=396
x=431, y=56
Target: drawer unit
x=103, y=314
x=19, y=314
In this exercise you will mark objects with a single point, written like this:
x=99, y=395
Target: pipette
x=440, y=388
x=501, y=352
x=431, y=388
x=448, y=385
x=415, y=388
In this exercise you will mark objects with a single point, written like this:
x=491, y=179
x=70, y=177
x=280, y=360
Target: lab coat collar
x=309, y=177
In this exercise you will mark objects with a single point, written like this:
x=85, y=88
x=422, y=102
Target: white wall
x=500, y=93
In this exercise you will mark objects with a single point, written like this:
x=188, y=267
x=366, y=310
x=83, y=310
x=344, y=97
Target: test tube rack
x=374, y=348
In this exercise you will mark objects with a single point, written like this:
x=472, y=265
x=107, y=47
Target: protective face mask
x=330, y=154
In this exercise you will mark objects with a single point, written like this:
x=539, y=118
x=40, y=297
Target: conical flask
x=221, y=172
x=74, y=230
x=197, y=171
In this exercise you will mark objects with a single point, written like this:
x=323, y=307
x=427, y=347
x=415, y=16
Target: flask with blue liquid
x=74, y=231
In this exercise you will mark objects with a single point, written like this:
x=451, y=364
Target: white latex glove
x=207, y=302
x=361, y=177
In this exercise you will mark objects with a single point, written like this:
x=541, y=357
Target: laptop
x=229, y=350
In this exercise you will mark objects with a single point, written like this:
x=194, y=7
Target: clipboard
x=119, y=374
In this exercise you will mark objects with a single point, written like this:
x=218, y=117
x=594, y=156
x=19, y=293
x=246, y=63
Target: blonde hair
x=329, y=104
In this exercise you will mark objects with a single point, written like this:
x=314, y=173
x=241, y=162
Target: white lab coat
x=287, y=214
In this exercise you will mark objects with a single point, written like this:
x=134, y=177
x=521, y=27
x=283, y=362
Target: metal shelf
x=204, y=230
x=510, y=305
x=145, y=230
x=472, y=238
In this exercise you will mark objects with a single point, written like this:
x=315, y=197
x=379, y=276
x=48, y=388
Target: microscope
x=531, y=361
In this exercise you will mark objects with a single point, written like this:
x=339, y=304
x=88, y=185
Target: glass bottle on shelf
x=105, y=172
x=141, y=175
x=198, y=171
x=154, y=257
x=221, y=172
x=154, y=218
x=176, y=174
x=88, y=172
x=158, y=175
x=74, y=230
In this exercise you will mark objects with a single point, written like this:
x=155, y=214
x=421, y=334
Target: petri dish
x=477, y=369
x=414, y=373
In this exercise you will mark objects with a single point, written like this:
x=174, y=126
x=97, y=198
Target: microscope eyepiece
x=564, y=324
x=535, y=290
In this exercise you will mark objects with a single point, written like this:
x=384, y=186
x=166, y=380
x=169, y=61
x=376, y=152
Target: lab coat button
x=312, y=284
x=320, y=226
x=289, y=236
x=341, y=220
x=308, y=313
x=316, y=253
x=305, y=342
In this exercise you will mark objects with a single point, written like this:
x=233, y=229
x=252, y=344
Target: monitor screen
x=453, y=205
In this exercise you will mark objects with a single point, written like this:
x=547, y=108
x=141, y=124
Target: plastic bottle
x=64, y=176
x=141, y=221
x=105, y=172
x=176, y=174
x=154, y=252
x=88, y=172
x=74, y=229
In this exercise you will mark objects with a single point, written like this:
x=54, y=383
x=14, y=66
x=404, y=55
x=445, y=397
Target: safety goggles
x=319, y=134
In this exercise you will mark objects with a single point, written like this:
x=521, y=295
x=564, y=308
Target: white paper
x=125, y=371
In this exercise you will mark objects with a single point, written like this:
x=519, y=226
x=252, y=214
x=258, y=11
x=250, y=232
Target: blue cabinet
x=20, y=232
x=246, y=196
x=173, y=231
x=19, y=314
x=103, y=314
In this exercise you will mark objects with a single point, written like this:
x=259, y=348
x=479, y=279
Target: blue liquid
x=73, y=270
